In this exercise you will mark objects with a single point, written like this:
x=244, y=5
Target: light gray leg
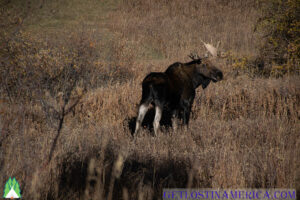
x=158, y=113
x=142, y=112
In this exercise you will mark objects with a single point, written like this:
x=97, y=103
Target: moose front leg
x=186, y=115
x=187, y=106
x=175, y=119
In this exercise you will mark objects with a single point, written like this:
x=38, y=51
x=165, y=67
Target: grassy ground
x=63, y=140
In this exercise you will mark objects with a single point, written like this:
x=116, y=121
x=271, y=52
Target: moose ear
x=205, y=82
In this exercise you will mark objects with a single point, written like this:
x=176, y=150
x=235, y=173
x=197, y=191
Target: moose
x=175, y=88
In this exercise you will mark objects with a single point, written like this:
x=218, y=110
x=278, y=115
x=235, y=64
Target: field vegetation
x=70, y=84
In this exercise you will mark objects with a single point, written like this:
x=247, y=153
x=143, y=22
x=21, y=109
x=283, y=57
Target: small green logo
x=12, y=189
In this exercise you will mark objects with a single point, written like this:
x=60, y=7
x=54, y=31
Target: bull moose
x=175, y=88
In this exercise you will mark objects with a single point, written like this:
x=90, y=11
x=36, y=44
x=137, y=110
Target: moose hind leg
x=142, y=112
x=157, y=118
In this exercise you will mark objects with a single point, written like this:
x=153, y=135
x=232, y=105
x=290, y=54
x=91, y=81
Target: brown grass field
x=71, y=74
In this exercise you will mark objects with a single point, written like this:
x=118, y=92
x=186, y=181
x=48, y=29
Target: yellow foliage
x=281, y=26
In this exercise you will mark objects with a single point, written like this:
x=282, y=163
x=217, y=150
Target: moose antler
x=211, y=49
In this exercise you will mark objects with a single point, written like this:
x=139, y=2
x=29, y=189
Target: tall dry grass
x=67, y=104
x=174, y=28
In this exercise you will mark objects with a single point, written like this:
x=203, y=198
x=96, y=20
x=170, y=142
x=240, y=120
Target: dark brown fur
x=175, y=88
